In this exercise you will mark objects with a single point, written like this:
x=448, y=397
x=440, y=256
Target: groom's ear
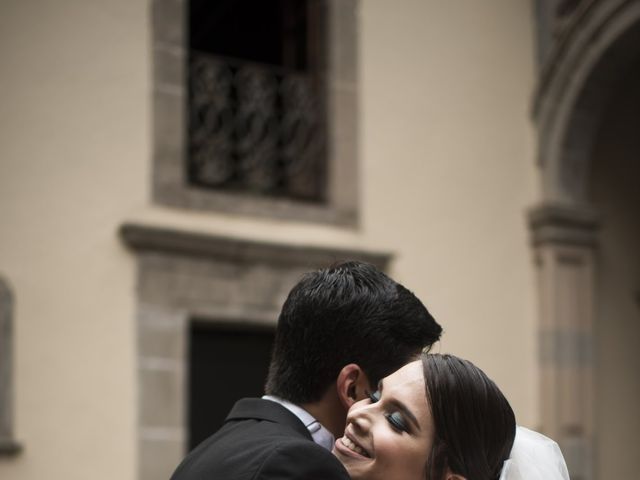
x=352, y=385
x=454, y=476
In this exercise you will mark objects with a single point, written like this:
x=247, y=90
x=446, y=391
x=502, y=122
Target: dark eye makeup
x=395, y=419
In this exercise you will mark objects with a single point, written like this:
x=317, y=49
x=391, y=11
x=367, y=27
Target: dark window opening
x=256, y=108
x=226, y=363
x=272, y=32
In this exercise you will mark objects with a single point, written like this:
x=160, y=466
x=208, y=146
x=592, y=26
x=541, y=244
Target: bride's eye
x=397, y=422
x=374, y=396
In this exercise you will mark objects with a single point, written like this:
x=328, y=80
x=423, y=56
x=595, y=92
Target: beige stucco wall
x=74, y=156
x=449, y=172
x=446, y=167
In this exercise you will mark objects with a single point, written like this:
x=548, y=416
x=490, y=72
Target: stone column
x=564, y=242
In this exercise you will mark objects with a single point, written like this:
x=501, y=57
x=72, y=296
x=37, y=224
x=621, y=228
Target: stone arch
x=575, y=85
x=591, y=55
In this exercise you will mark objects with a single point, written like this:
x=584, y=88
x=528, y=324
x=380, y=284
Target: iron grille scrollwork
x=255, y=128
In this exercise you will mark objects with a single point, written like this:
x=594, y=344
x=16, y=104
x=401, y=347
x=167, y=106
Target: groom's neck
x=329, y=412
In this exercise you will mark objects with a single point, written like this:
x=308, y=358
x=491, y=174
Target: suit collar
x=319, y=433
x=259, y=409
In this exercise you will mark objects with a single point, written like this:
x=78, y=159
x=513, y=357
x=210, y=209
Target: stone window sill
x=9, y=448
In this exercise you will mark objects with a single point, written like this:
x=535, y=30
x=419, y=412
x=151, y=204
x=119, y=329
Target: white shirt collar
x=320, y=435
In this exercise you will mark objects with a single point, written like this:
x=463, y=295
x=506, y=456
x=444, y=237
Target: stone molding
x=8, y=445
x=562, y=40
x=339, y=75
x=144, y=238
x=563, y=225
x=591, y=17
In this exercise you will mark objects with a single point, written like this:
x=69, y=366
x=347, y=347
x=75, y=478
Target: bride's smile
x=388, y=434
x=349, y=440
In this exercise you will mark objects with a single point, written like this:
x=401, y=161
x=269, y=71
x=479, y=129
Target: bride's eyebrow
x=402, y=407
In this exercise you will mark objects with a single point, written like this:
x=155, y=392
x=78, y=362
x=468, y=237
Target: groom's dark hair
x=348, y=313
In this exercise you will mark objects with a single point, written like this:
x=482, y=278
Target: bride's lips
x=349, y=445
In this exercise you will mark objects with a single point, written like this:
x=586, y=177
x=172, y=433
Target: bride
x=442, y=418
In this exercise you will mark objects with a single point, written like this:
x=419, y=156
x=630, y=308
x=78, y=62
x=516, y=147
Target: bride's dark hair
x=474, y=424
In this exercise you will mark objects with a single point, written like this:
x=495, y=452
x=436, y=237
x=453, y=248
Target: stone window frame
x=183, y=276
x=8, y=444
x=339, y=76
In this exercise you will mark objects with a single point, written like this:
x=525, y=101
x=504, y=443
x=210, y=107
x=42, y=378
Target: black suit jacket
x=260, y=440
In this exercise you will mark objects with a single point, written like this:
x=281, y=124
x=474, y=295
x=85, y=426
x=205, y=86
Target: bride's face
x=389, y=435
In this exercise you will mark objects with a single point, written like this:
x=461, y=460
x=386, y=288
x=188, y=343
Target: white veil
x=534, y=457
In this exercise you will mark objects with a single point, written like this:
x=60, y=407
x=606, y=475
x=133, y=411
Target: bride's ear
x=352, y=385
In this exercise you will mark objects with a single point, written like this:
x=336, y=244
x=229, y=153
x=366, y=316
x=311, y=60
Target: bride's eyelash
x=397, y=422
x=374, y=396
x=395, y=419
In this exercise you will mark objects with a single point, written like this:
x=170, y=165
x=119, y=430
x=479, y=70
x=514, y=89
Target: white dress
x=534, y=457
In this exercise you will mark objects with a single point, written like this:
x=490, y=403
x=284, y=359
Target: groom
x=340, y=331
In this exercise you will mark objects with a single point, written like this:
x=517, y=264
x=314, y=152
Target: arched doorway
x=613, y=190
x=586, y=234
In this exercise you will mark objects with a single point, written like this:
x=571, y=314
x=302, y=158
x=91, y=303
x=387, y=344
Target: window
x=255, y=107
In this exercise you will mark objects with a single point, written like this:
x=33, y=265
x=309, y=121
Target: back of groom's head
x=348, y=313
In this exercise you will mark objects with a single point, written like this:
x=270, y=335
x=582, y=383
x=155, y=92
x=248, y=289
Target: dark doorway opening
x=227, y=362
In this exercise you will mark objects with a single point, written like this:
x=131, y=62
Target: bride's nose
x=361, y=419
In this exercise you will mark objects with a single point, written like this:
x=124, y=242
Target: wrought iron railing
x=255, y=128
